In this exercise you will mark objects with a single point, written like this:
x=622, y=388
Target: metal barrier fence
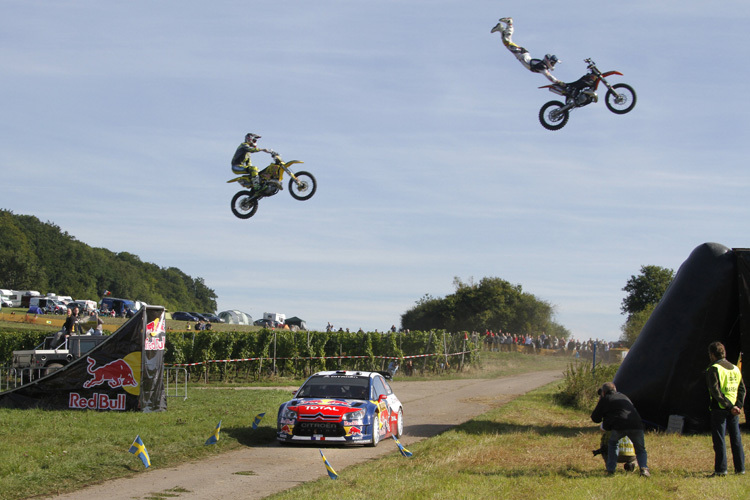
x=10, y=377
x=174, y=373
x=5, y=377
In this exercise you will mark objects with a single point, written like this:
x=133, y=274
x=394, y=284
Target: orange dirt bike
x=620, y=98
x=302, y=186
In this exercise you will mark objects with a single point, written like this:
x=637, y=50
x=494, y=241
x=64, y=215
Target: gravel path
x=252, y=473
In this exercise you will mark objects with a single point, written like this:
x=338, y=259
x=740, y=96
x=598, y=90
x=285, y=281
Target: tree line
x=37, y=255
x=491, y=304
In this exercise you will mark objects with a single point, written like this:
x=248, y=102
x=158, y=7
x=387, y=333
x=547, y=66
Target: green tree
x=40, y=256
x=646, y=288
x=634, y=324
x=492, y=303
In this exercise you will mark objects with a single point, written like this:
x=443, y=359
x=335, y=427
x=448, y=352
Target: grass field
x=529, y=449
x=56, y=451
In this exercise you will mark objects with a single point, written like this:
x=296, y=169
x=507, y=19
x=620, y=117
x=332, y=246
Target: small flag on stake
x=215, y=436
x=401, y=448
x=256, y=422
x=331, y=473
x=139, y=449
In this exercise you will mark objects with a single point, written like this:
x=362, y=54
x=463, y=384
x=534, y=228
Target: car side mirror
x=382, y=397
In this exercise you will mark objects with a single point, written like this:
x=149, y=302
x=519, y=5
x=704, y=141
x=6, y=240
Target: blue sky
x=119, y=120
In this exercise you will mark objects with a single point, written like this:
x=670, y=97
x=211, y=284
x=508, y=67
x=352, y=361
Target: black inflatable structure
x=709, y=300
x=125, y=372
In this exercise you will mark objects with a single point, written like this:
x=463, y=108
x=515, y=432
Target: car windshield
x=336, y=387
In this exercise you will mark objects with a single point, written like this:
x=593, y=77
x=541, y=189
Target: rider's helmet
x=251, y=138
x=550, y=60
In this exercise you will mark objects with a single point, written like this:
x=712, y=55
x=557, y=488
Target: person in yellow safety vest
x=727, y=390
x=625, y=451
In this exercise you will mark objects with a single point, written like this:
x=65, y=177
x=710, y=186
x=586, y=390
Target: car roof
x=350, y=373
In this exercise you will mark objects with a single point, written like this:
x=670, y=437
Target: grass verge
x=531, y=448
x=50, y=452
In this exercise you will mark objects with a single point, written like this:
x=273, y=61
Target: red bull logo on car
x=354, y=432
x=287, y=429
x=118, y=373
x=337, y=402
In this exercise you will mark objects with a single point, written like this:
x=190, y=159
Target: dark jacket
x=242, y=155
x=714, y=387
x=617, y=412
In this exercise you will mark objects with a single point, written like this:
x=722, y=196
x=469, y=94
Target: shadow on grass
x=482, y=427
x=546, y=472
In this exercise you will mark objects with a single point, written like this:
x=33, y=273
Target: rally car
x=348, y=407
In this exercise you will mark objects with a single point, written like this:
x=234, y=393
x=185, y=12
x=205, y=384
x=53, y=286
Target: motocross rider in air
x=543, y=66
x=241, y=163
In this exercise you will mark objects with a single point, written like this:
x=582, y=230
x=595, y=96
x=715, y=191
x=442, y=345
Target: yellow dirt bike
x=302, y=186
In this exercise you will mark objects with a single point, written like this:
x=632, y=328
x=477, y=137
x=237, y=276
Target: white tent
x=235, y=317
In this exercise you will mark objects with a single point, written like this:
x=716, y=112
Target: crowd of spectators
x=507, y=342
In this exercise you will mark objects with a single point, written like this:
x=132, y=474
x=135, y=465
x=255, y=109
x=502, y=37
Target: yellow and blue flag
x=139, y=449
x=256, y=422
x=331, y=473
x=215, y=436
x=401, y=448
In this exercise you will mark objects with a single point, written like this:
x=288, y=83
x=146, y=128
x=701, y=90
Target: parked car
x=348, y=407
x=213, y=318
x=121, y=307
x=200, y=316
x=184, y=316
x=85, y=307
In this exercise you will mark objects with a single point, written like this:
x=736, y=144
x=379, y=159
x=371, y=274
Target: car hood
x=324, y=408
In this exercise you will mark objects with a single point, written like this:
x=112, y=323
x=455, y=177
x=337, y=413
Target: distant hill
x=37, y=255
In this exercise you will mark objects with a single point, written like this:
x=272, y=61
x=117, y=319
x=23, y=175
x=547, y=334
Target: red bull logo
x=154, y=344
x=287, y=429
x=116, y=374
x=96, y=402
x=327, y=402
x=155, y=332
x=155, y=327
x=355, y=431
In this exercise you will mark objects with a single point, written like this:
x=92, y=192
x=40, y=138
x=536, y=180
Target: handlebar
x=589, y=61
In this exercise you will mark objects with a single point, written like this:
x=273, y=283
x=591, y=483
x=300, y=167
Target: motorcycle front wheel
x=305, y=186
x=622, y=101
x=244, y=205
x=551, y=117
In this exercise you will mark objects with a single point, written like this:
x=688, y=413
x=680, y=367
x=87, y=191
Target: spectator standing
x=99, y=324
x=727, y=391
x=617, y=414
x=71, y=325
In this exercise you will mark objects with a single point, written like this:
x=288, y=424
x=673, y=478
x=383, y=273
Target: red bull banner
x=125, y=372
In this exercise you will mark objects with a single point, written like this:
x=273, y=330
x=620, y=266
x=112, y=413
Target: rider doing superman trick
x=544, y=66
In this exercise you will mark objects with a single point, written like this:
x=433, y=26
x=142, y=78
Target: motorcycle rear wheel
x=306, y=187
x=621, y=102
x=551, y=117
x=244, y=205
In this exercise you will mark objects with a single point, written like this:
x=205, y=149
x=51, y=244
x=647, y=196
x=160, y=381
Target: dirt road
x=252, y=473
